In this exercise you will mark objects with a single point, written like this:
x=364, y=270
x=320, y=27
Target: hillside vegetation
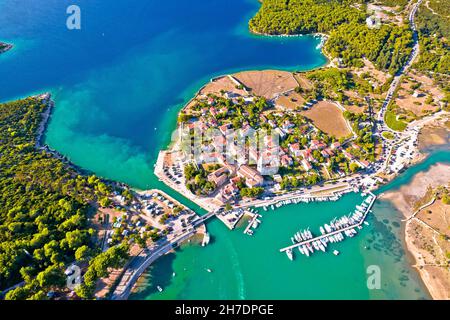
x=44, y=207
x=350, y=39
x=433, y=22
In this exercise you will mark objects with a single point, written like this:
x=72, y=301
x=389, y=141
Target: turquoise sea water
x=118, y=85
x=247, y=267
x=120, y=81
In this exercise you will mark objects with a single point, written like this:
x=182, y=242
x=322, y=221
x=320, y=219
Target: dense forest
x=433, y=22
x=44, y=207
x=350, y=39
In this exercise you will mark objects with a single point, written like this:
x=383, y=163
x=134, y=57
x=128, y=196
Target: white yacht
x=305, y=250
x=289, y=254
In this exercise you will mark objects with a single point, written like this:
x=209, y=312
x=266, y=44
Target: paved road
x=398, y=136
x=396, y=81
x=146, y=257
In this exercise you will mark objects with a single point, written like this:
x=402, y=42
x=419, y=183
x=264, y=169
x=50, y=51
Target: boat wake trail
x=237, y=270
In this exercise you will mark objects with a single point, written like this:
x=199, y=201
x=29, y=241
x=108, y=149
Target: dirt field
x=223, y=83
x=438, y=217
x=328, y=117
x=290, y=101
x=267, y=83
x=355, y=109
x=377, y=77
x=419, y=105
x=303, y=81
x=395, y=17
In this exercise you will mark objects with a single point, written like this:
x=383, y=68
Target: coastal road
x=146, y=257
x=382, y=127
x=395, y=83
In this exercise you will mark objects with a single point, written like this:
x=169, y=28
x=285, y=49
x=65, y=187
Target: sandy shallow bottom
x=417, y=235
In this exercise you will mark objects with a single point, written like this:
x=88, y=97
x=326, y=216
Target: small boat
x=315, y=245
x=173, y=274
x=322, y=230
x=209, y=270
x=305, y=250
x=159, y=289
x=206, y=239
x=321, y=246
x=290, y=255
x=335, y=252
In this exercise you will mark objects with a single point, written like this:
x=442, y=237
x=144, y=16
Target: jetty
x=253, y=223
x=288, y=250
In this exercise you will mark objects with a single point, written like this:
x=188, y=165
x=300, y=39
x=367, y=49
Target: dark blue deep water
x=120, y=80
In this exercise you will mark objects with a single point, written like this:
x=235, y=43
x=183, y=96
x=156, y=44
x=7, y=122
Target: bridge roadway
x=146, y=257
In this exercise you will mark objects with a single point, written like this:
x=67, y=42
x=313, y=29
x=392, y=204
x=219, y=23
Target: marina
x=334, y=232
x=301, y=199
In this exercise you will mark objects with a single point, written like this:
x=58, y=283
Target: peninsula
x=252, y=139
x=261, y=138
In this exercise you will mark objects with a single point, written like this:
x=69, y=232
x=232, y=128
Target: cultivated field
x=328, y=117
x=223, y=83
x=267, y=83
x=290, y=101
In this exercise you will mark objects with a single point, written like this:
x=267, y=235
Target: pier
x=254, y=219
x=326, y=235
